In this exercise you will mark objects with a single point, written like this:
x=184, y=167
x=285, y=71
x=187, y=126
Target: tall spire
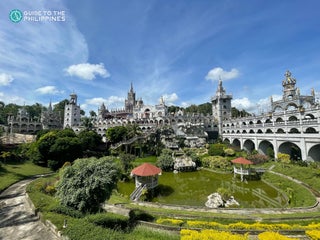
x=131, y=88
x=50, y=106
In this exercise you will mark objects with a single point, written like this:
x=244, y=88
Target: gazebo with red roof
x=146, y=175
x=242, y=161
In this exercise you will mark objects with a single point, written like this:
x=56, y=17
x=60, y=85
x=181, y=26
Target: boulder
x=214, y=201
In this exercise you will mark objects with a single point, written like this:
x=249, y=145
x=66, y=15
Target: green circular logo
x=15, y=15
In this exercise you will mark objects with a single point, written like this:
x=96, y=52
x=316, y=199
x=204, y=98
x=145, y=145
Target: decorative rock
x=214, y=201
x=231, y=202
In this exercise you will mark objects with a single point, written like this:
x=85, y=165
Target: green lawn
x=82, y=228
x=149, y=159
x=14, y=172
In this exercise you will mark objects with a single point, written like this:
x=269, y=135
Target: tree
x=59, y=107
x=92, y=114
x=64, y=149
x=87, y=183
x=116, y=134
x=126, y=162
x=165, y=160
x=90, y=140
x=86, y=122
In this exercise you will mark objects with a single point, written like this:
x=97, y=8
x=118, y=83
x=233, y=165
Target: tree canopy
x=56, y=147
x=87, y=183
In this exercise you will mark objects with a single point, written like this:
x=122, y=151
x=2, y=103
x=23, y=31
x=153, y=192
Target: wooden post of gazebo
x=242, y=161
x=146, y=177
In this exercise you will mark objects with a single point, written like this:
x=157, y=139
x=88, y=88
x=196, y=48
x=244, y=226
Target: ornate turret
x=289, y=86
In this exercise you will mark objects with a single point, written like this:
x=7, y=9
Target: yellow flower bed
x=274, y=236
x=210, y=235
x=176, y=222
x=239, y=225
x=313, y=234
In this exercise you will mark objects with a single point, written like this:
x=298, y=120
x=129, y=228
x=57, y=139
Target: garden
x=74, y=195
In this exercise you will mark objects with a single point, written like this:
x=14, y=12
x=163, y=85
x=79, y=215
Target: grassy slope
x=14, y=172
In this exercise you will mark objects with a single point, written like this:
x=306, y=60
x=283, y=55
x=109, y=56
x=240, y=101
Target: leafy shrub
x=109, y=220
x=139, y=215
x=258, y=158
x=283, y=158
x=51, y=190
x=229, y=152
x=216, y=149
x=165, y=160
x=84, y=230
x=216, y=162
x=67, y=211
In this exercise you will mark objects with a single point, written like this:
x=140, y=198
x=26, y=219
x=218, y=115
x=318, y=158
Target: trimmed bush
x=67, y=211
x=139, y=215
x=109, y=220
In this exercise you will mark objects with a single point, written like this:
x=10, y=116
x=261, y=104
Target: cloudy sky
x=176, y=49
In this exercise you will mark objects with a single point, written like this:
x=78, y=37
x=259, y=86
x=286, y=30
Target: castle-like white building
x=292, y=126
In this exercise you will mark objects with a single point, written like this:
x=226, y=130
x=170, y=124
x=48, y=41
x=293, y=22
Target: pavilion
x=242, y=171
x=146, y=177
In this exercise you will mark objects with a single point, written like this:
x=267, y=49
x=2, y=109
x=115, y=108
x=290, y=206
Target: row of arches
x=310, y=130
x=313, y=153
x=269, y=121
x=208, y=122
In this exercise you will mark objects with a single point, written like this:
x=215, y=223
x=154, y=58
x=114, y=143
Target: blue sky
x=177, y=49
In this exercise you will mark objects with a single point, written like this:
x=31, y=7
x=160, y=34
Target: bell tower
x=221, y=106
x=289, y=87
x=72, y=113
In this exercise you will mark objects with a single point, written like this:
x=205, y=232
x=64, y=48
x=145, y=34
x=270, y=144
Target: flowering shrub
x=210, y=234
x=250, y=226
x=313, y=226
x=313, y=234
x=274, y=236
x=215, y=162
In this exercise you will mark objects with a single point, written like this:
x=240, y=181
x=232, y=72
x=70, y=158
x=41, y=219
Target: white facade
x=72, y=117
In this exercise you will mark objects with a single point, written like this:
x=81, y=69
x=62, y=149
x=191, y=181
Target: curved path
x=17, y=220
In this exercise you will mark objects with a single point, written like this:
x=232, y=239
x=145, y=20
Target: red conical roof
x=145, y=170
x=241, y=160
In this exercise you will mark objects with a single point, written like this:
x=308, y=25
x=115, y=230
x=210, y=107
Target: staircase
x=136, y=194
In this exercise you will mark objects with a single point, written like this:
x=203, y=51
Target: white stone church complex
x=291, y=126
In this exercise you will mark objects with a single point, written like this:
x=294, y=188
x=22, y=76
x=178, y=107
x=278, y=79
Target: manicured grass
x=149, y=159
x=87, y=226
x=300, y=196
x=14, y=172
x=308, y=175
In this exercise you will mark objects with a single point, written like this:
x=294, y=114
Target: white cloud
x=11, y=99
x=217, y=73
x=185, y=104
x=169, y=99
x=5, y=79
x=111, y=102
x=261, y=106
x=87, y=71
x=26, y=44
x=48, y=90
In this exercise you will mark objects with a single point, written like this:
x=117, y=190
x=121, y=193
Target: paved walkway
x=16, y=218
